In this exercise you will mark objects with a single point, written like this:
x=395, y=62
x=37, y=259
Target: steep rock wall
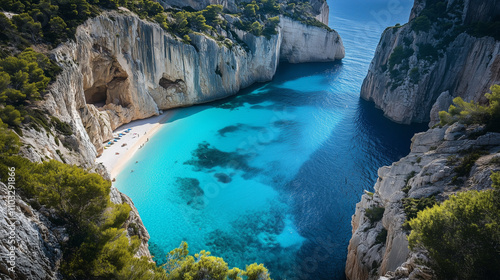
x=426, y=171
x=442, y=61
x=135, y=69
x=122, y=68
x=304, y=43
x=321, y=9
x=36, y=248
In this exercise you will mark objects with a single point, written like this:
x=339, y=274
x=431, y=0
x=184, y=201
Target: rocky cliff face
x=303, y=43
x=230, y=5
x=122, y=68
x=35, y=248
x=427, y=171
x=321, y=9
x=424, y=64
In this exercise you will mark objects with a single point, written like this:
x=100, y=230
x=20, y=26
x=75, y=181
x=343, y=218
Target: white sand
x=141, y=131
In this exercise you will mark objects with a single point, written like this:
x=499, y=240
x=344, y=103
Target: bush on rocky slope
x=473, y=113
x=462, y=235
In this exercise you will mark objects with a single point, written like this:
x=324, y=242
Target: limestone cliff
x=425, y=63
x=380, y=247
x=121, y=68
x=321, y=9
x=303, y=43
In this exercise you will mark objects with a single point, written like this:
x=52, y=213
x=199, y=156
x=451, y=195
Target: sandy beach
x=116, y=156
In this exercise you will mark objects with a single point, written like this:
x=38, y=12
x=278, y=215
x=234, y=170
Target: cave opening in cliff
x=166, y=83
x=96, y=95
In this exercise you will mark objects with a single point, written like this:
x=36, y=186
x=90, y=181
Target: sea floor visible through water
x=273, y=174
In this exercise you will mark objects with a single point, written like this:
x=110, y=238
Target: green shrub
x=381, y=236
x=407, y=186
x=256, y=28
x=374, y=214
x=180, y=265
x=9, y=141
x=414, y=75
x=61, y=127
x=412, y=206
x=481, y=29
x=421, y=23
x=427, y=52
x=462, y=235
x=399, y=54
x=250, y=10
x=23, y=78
x=473, y=113
x=466, y=164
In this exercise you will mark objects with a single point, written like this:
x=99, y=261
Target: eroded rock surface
x=442, y=61
x=428, y=170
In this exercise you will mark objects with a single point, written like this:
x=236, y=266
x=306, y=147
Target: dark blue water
x=272, y=175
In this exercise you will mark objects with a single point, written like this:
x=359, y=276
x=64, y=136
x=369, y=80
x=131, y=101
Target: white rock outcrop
x=433, y=62
x=427, y=171
x=303, y=43
x=121, y=68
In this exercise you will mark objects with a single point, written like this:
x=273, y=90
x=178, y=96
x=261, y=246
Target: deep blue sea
x=273, y=174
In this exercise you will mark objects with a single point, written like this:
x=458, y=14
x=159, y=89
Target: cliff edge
x=379, y=244
x=121, y=68
x=449, y=48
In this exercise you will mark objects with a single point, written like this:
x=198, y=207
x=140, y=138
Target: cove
x=273, y=174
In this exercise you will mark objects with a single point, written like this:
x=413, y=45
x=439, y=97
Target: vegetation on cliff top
x=23, y=79
x=462, y=235
x=259, y=17
x=25, y=74
x=439, y=23
x=473, y=113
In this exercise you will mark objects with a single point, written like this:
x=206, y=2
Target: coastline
x=115, y=157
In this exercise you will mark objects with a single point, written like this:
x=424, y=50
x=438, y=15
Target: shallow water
x=271, y=175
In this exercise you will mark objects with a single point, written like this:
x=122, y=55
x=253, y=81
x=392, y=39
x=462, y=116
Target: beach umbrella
x=110, y=143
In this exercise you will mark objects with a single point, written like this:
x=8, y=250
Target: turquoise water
x=271, y=175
